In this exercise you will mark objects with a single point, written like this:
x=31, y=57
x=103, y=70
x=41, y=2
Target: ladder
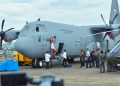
x=115, y=52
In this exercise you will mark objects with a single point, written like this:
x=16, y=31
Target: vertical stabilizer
x=114, y=14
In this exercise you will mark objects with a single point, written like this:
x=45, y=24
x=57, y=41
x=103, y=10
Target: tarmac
x=75, y=76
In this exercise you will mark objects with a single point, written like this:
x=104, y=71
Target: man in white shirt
x=87, y=53
x=64, y=55
x=87, y=58
x=47, y=59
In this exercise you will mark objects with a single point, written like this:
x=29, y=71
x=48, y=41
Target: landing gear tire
x=34, y=63
x=70, y=60
x=39, y=63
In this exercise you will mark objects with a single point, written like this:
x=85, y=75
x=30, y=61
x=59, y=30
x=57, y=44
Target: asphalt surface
x=75, y=76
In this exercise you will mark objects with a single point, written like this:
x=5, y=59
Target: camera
x=22, y=79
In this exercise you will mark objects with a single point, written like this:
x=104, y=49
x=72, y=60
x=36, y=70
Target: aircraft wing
x=104, y=28
x=100, y=28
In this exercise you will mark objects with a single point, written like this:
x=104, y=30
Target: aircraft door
x=60, y=48
x=81, y=43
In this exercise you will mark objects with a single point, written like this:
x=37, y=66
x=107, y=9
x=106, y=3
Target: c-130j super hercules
x=33, y=40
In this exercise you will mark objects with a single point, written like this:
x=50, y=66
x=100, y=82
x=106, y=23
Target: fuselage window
x=37, y=29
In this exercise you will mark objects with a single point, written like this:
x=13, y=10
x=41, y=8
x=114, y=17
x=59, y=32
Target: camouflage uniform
x=102, y=62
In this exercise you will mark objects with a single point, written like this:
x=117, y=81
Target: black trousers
x=92, y=61
x=82, y=63
x=47, y=65
x=64, y=62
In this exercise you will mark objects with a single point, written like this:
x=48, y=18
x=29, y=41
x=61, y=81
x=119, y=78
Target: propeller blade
x=0, y=42
x=9, y=29
x=105, y=35
x=2, y=24
x=104, y=20
x=113, y=20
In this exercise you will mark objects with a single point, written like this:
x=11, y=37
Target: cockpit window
x=37, y=29
x=41, y=28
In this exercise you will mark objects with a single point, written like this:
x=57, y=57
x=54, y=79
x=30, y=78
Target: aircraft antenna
x=39, y=19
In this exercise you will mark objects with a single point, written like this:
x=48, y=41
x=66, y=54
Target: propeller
x=104, y=20
x=2, y=33
x=109, y=27
x=111, y=22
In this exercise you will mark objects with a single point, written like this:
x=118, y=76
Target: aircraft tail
x=114, y=14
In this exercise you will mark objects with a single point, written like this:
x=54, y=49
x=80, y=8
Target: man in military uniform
x=102, y=62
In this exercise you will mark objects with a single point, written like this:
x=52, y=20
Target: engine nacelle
x=10, y=36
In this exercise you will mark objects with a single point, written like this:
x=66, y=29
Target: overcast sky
x=76, y=12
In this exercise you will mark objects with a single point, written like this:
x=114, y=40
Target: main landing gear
x=37, y=63
x=70, y=60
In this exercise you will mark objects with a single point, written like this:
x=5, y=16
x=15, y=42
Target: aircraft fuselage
x=33, y=40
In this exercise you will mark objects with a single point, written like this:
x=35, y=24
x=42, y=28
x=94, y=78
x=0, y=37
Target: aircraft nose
x=28, y=47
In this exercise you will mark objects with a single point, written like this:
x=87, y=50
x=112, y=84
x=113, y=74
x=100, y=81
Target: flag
x=52, y=46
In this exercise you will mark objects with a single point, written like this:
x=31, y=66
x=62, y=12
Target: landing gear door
x=60, y=48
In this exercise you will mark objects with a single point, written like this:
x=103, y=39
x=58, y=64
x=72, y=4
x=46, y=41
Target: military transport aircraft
x=34, y=39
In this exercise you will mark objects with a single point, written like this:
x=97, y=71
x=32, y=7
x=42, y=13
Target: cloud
x=75, y=4
x=20, y=1
x=77, y=12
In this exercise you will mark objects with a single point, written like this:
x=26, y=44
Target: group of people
x=93, y=58
x=48, y=55
x=88, y=59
